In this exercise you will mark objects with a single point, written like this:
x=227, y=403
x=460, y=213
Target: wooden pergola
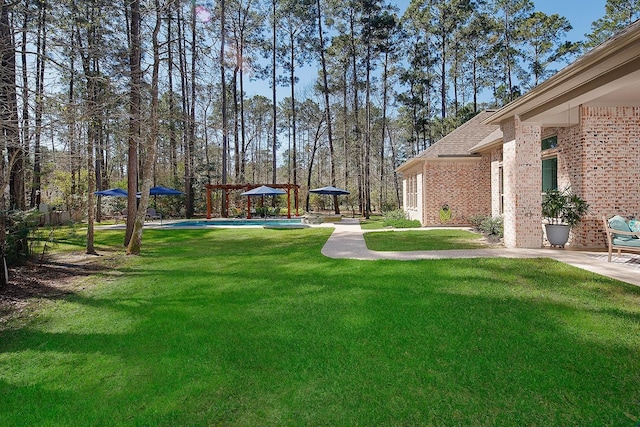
x=227, y=188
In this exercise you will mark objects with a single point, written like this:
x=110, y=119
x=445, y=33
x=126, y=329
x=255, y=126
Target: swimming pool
x=236, y=223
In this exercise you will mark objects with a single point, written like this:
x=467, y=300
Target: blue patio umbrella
x=112, y=192
x=330, y=190
x=164, y=191
x=161, y=191
x=264, y=190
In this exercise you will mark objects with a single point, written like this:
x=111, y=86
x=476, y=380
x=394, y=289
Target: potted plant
x=562, y=210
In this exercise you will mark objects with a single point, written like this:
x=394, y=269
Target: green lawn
x=256, y=327
x=424, y=240
x=373, y=223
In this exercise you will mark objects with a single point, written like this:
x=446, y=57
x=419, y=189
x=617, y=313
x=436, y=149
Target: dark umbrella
x=164, y=191
x=112, y=192
x=332, y=191
x=161, y=191
x=263, y=190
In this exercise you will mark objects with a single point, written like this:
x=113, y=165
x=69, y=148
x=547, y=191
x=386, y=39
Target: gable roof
x=494, y=138
x=458, y=143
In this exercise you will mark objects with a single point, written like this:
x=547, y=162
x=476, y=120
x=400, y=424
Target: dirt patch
x=50, y=278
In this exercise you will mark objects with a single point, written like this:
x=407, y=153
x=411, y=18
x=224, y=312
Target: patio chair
x=152, y=214
x=619, y=236
x=120, y=216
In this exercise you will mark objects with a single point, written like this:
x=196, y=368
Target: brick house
x=580, y=128
x=449, y=173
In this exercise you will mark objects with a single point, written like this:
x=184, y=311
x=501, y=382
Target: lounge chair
x=152, y=214
x=619, y=236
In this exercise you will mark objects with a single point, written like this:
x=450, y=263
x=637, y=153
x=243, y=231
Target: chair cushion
x=634, y=225
x=626, y=241
x=619, y=223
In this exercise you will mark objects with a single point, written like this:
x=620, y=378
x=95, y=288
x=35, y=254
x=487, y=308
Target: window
x=501, y=188
x=549, y=174
x=549, y=164
x=550, y=142
x=412, y=191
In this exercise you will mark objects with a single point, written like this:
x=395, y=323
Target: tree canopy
x=98, y=94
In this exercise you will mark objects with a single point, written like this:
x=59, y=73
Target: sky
x=580, y=13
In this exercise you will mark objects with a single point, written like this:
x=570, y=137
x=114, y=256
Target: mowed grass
x=424, y=240
x=256, y=327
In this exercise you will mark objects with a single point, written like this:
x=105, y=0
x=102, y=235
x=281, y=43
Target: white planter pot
x=557, y=234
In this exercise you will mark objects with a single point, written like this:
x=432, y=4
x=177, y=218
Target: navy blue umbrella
x=164, y=191
x=332, y=191
x=264, y=191
x=112, y=192
x=161, y=191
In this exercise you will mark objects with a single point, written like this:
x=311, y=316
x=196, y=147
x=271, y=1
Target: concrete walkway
x=347, y=241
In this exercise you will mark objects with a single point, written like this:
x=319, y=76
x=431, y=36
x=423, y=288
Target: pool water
x=236, y=222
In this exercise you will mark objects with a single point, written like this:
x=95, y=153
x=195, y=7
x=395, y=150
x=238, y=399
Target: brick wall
x=464, y=185
x=600, y=160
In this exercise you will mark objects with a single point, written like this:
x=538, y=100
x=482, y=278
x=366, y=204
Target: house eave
x=611, y=66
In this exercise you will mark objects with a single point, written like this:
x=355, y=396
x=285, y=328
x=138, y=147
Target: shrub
x=398, y=219
x=476, y=221
x=397, y=214
x=492, y=226
x=18, y=226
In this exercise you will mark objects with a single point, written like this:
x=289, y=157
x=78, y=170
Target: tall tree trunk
x=71, y=119
x=8, y=92
x=135, y=243
x=243, y=130
x=9, y=119
x=327, y=106
x=238, y=147
x=184, y=90
x=134, y=116
x=385, y=81
x=345, y=125
x=25, y=120
x=356, y=112
x=40, y=67
x=92, y=135
x=189, y=161
x=292, y=79
x=223, y=83
x=173, y=144
x=443, y=77
x=367, y=135
x=274, y=99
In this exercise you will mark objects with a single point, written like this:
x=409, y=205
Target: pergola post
x=226, y=188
